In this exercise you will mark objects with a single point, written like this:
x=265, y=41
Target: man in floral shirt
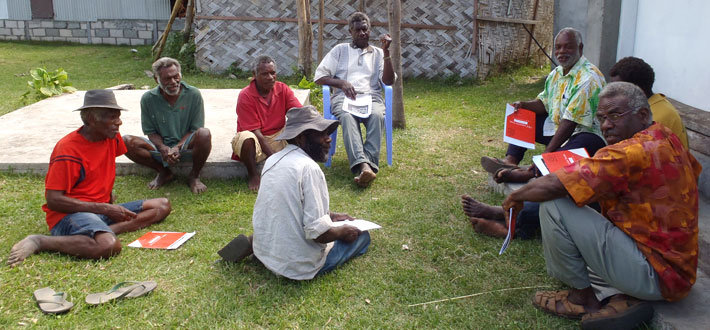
x=644, y=244
x=564, y=110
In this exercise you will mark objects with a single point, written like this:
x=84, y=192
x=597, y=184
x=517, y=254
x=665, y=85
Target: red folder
x=520, y=128
x=559, y=159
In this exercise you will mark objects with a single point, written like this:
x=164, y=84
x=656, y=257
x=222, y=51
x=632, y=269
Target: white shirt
x=362, y=64
x=291, y=210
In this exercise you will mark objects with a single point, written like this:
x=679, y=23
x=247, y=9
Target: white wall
x=672, y=37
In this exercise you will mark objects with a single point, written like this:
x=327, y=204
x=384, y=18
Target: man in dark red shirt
x=261, y=113
x=81, y=215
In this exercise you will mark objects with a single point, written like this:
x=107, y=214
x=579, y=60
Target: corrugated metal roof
x=19, y=10
x=75, y=10
x=3, y=9
x=91, y=10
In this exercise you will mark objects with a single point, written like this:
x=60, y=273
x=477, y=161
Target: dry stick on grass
x=480, y=293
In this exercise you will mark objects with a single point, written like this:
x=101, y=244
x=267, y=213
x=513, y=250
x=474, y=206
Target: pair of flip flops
x=52, y=302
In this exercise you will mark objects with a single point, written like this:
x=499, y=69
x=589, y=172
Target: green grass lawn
x=436, y=159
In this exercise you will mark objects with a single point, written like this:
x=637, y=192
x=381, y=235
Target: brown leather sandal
x=621, y=312
x=556, y=303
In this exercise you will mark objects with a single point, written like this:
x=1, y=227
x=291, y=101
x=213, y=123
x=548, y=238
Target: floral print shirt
x=647, y=186
x=574, y=96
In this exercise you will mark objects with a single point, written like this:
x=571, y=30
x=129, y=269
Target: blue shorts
x=88, y=224
x=185, y=153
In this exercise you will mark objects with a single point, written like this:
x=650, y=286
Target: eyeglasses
x=613, y=117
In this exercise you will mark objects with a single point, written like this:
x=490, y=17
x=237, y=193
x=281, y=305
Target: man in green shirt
x=173, y=118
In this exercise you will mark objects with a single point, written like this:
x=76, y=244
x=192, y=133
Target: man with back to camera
x=294, y=231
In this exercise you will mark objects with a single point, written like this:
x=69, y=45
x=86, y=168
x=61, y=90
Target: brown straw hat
x=305, y=118
x=100, y=98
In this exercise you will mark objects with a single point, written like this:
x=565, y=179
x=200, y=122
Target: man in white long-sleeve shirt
x=294, y=235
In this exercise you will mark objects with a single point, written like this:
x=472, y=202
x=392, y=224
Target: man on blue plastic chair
x=359, y=68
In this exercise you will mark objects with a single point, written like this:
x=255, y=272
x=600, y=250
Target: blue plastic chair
x=388, y=122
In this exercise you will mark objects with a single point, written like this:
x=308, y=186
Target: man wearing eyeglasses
x=359, y=68
x=644, y=244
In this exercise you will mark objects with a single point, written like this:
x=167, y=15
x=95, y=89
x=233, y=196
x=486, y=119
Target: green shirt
x=574, y=96
x=172, y=122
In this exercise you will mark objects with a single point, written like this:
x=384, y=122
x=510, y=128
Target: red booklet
x=161, y=240
x=559, y=159
x=519, y=127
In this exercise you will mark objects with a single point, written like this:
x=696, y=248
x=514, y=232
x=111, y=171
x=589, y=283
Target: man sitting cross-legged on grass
x=644, y=244
x=79, y=190
x=261, y=115
x=564, y=110
x=294, y=234
x=173, y=118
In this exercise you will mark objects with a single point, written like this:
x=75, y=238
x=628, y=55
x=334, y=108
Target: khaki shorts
x=242, y=136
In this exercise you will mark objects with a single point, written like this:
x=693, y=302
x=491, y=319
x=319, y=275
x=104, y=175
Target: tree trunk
x=321, y=26
x=189, y=16
x=164, y=37
x=394, y=12
x=305, y=37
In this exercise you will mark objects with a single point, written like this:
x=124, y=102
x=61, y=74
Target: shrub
x=45, y=84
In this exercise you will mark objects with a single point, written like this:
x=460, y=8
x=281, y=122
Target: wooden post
x=189, y=17
x=394, y=8
x=362, y=7
x=532, y=30
x=305, y=37
x=163, y=38
x=321, y=26
x=474, y=42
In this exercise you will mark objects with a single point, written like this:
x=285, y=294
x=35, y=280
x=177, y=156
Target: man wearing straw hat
x=294, y=234
x=81, y=215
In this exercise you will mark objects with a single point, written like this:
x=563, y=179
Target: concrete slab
x=28, y=135
x=690, y=312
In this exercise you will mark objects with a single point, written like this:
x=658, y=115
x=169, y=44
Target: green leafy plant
x=237, y=71
x=182, y=51
x=316, y=94
x=45, y=84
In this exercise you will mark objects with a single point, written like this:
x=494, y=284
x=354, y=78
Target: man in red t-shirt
x=261, y=115
x=79, y=189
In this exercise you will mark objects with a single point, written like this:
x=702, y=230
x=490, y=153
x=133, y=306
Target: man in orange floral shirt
x=644, y=244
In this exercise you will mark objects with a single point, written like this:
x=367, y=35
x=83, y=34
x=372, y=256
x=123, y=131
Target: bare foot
x=474, y=208
x=196, y=186
x=23, y=249
x=367, y=175
x=254, y=182
x=161, y=179
x=516, y=175
x=489, y=227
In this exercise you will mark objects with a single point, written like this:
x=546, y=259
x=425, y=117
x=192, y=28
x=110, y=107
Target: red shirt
x=254, y=112
x=647, y=186
x=83, y=170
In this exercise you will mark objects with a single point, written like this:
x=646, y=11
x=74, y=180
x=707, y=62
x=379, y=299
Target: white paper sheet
x=361, y=106
x=361, y=224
